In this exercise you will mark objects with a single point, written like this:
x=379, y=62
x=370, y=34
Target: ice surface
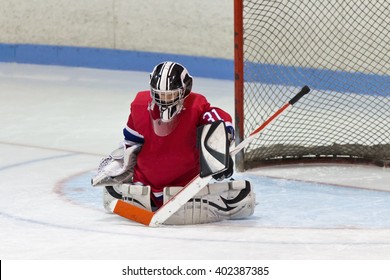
x=58, y=122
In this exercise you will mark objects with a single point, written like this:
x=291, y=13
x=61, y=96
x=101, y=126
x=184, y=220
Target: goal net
x=341, y=50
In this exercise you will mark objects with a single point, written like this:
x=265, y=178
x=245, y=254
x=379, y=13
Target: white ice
x=58, y=122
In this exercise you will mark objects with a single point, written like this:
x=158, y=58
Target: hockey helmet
x=170, y=84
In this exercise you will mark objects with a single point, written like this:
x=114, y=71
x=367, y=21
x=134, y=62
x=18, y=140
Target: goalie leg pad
x=137, y=195
x=110, y=193
x=215, y=202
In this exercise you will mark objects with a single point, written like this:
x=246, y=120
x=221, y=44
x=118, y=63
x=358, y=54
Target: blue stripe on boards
x=216, y=68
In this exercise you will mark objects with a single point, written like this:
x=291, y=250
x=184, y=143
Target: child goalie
x=161, y=153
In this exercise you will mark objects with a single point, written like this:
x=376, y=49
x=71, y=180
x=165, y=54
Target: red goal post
x=341, y=49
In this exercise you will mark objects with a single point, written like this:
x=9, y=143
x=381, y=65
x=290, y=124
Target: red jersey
x=171, y=160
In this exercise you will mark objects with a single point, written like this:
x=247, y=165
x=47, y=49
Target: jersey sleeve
x=212, y=114
x=131, y=136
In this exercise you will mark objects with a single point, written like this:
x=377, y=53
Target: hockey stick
x=157, y=218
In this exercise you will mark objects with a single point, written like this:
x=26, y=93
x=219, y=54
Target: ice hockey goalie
x=172, y=135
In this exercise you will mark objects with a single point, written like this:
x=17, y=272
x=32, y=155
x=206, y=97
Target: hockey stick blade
x=131, y=212
x=157, y=218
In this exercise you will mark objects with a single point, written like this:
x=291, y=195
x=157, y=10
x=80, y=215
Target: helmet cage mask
x=167, y=98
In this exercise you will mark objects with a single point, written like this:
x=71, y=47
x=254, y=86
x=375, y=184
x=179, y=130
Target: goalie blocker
x=214, y=142
x=215, y=202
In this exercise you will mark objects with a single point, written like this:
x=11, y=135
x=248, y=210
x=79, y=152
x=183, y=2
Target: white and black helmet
x=170, y=84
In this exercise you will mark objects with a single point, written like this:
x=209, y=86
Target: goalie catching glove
x=117, y=167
